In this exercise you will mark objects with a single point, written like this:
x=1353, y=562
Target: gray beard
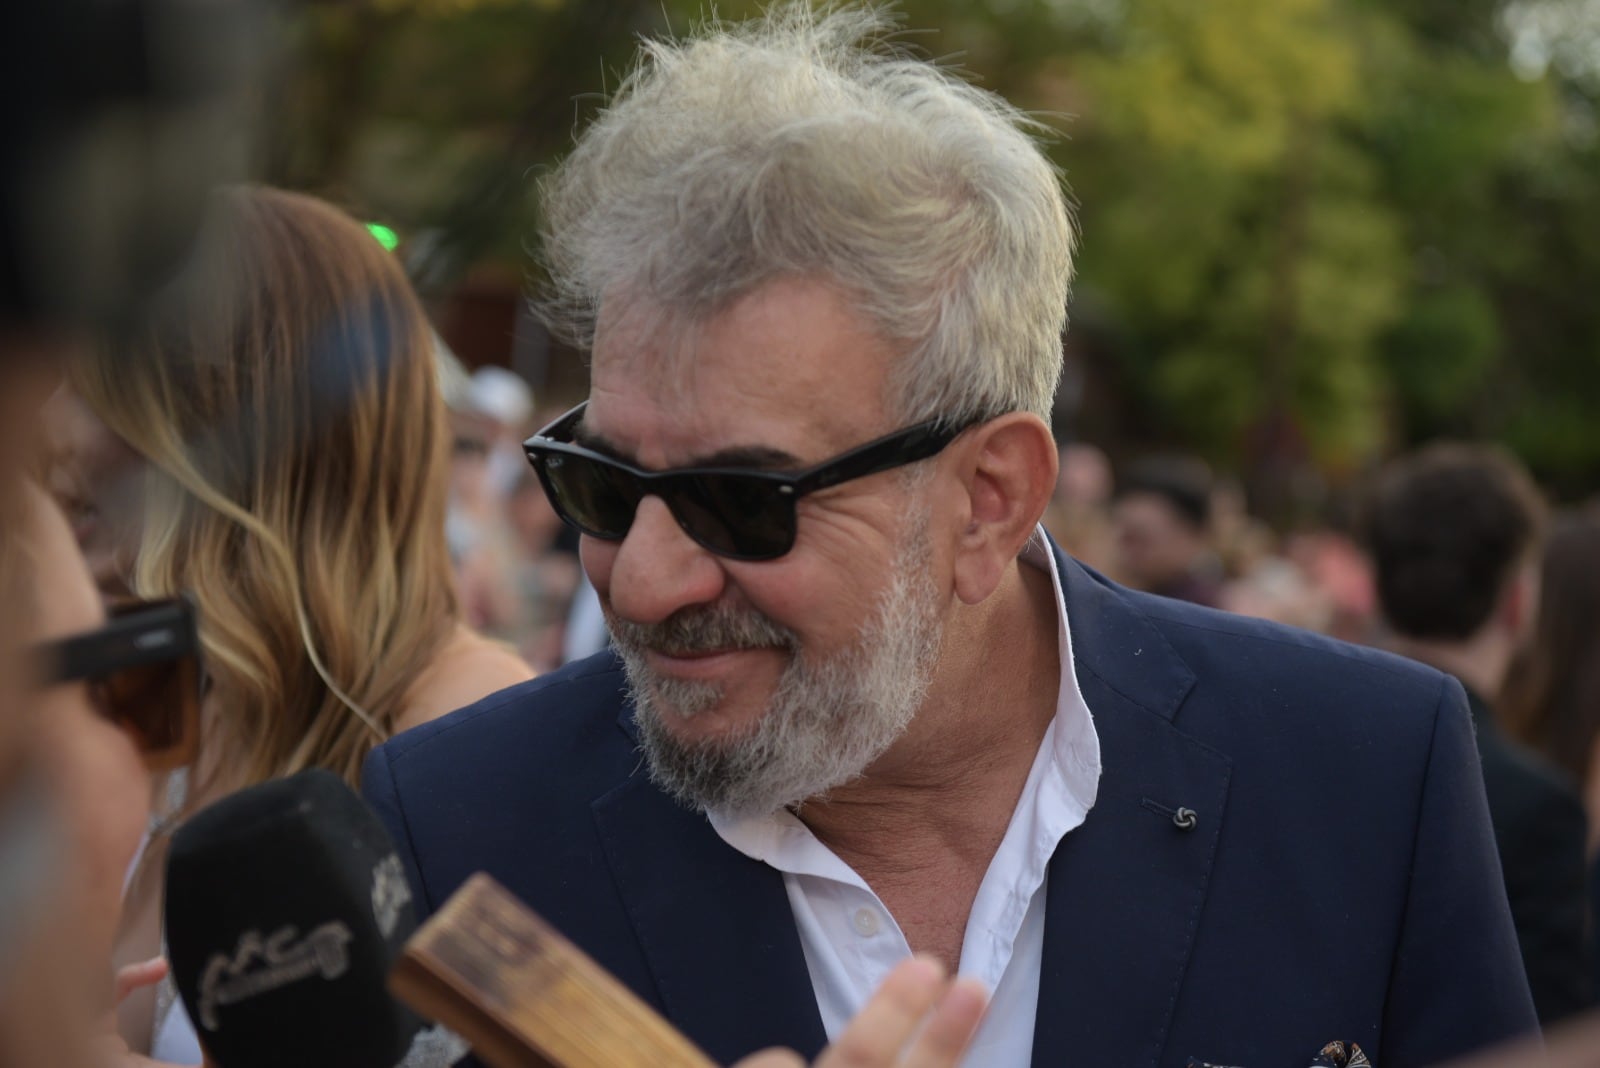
x=826, y=722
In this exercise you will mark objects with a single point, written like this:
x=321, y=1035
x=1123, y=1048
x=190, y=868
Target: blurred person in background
x=547, y=571
x=1162, y=515
x=284, y=398
x=1552, y=696
x=482, y=556
x=1079, y=513
x=487, y=412
x=1259, y=581
x=1341, y=573
x=467, y=498
x=505, y=402
x=1315, y=578
x=1454, y=532
x=515, y=571
x=1274, y=588
x=1239, y=540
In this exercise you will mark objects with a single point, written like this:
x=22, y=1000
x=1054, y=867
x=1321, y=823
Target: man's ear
x=1008, y=472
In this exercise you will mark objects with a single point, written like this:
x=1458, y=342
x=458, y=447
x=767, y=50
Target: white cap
x=502, y=395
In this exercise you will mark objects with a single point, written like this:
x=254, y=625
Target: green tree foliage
x=435, y=115
x=1313, y=230
x=1232, y=221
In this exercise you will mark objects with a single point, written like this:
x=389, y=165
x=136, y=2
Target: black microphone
x=286, y=907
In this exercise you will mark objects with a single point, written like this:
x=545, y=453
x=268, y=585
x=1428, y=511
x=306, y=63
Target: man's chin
x=704, y=769
x=702, y=725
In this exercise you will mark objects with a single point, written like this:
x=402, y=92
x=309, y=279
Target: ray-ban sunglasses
x=739, y=513
x=142, y=668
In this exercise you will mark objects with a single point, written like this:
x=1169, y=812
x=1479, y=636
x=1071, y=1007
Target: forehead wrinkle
x=657, y=357
x=649, y=339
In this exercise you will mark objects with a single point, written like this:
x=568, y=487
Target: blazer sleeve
x=1457, y=983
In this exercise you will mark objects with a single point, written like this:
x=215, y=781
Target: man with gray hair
x=880, y=713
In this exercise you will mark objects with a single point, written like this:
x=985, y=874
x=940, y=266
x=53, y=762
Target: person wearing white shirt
x=852, y=942
x=857, y=706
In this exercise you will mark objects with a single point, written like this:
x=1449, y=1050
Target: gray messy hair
x=809, y=144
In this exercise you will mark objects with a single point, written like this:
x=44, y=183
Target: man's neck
x=944, y=793
x=1480, y=662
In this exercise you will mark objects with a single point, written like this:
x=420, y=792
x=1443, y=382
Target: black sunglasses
x=737, y=513
x=143, y=672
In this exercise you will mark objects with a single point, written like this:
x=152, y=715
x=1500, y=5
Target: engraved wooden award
x=488, y=968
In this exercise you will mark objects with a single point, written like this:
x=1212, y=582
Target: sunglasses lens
x=742, y=516
x=159, y=706
x=745, y=517
x=595, y=496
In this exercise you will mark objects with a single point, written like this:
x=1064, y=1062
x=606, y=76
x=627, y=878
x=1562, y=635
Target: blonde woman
x=282, y=405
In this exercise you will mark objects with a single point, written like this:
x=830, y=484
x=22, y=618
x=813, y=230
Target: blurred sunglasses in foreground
x=738, y=513
x=142, y=669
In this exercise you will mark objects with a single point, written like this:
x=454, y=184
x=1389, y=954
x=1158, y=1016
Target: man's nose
x=657, y=568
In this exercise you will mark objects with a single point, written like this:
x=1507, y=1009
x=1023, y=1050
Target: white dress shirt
x=851, y=941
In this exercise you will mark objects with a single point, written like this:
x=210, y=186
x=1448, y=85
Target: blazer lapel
x=1127, y=887
x=715, y=926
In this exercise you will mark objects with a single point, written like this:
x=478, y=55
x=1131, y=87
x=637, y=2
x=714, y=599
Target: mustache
x=703, y=629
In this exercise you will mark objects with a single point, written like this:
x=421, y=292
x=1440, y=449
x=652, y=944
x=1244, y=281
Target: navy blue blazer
x=1340, y=880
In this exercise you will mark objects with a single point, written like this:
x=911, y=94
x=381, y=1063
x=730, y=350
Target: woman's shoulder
x=467, y=668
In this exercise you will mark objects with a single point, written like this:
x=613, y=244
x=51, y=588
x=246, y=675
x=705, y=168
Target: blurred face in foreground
x=104, y=787
x=98, y=481
x=759, y=684
x=57, y=984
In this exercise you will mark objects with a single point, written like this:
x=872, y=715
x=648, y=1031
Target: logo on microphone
x=390, y=893
x=262, y=965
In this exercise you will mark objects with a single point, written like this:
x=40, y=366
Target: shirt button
x=866, y=922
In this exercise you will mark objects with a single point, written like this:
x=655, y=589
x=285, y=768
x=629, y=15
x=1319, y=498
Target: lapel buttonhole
x=1182, y=817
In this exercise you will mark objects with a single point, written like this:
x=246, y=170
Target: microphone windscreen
x=286, y=905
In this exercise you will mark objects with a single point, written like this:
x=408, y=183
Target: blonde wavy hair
x=284, y=391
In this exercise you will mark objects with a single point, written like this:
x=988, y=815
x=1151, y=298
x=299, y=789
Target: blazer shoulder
x=573, y=708
x=1151, y=647
x=1274, y=650
x=506, y=785
x=1256, y=680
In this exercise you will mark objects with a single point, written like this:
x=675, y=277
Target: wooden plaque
x=491, y=970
